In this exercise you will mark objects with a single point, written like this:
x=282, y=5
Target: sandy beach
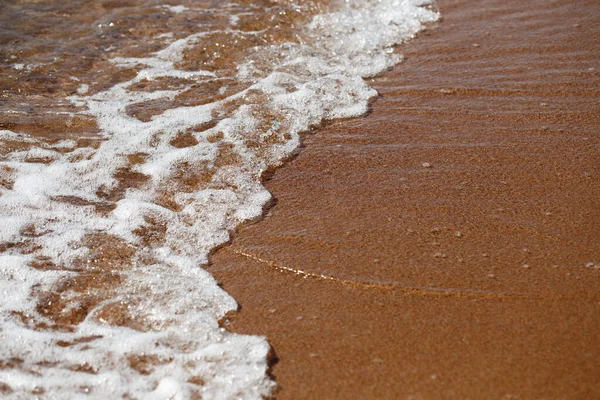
x=447, y=244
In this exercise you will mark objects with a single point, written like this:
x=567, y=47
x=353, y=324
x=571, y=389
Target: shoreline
x=475, y=172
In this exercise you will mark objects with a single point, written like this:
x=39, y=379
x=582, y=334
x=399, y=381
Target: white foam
x=178, y=302
x=175, y=9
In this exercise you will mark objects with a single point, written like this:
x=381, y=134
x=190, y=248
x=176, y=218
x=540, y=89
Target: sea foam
x=103, y=291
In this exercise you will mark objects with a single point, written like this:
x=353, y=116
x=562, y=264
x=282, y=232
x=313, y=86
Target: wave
x=103, y=238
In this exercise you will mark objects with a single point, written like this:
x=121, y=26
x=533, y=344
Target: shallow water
x=133, y=138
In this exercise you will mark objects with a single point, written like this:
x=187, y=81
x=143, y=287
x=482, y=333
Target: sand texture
x=447, y=244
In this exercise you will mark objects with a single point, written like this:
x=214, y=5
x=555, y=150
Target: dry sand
x=448, y=244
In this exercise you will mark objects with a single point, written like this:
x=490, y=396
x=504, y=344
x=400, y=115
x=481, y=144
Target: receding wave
x=131, y=145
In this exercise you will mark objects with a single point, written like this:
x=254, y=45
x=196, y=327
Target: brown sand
x=473, y=276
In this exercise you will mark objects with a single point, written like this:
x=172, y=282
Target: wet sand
x=447, y=244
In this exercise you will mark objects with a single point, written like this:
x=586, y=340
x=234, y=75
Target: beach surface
x=447, y=244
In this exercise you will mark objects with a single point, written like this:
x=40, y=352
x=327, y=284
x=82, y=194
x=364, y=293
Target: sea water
x=133, y=138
